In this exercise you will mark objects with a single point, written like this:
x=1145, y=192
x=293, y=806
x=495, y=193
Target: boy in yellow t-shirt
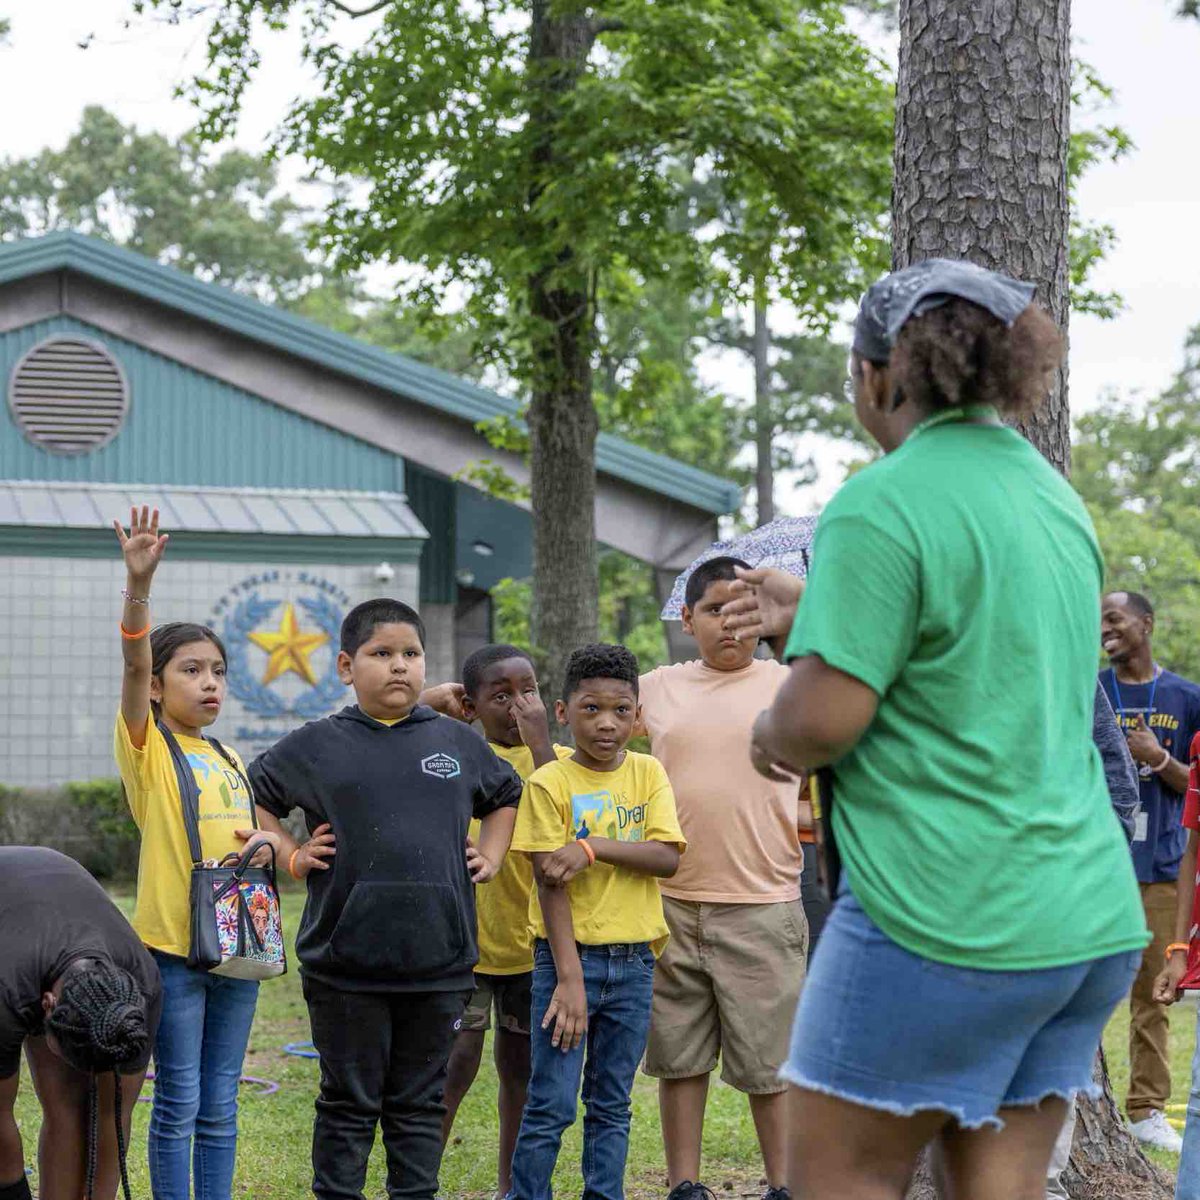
x=601, y=829
x=500, y=691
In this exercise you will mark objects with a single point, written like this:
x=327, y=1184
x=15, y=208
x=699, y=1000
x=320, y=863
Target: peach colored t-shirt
x=743, y=844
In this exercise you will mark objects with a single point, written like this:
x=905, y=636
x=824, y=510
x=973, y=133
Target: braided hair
x=99, y=1024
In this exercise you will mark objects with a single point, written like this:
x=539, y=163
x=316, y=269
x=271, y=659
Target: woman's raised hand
x=143, y=545
x=765, y=603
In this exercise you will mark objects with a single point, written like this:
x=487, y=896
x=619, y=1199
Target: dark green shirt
x=959, y=578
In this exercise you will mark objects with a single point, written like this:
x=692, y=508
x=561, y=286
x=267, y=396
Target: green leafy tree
x=647, y=387
x=220, y=217
x=1138, y=469
x=524, y=151
x=1092, y=141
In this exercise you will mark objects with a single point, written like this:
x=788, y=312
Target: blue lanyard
x=1120, y=707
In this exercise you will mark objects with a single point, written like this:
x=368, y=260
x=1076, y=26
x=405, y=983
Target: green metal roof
x=305, y=339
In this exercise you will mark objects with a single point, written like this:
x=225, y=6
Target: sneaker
x=687, y=1190
x=1155, y=1131
x=779, y=1193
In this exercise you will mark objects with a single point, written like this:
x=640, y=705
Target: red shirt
x=1191, y=801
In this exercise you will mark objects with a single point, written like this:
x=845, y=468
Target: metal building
x=299, y=471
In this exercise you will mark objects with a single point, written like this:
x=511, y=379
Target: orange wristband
x=292, y=862
x=588, y=851
x=134, y=637
x=1176, y=946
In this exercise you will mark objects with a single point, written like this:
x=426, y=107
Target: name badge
x=1141, y=825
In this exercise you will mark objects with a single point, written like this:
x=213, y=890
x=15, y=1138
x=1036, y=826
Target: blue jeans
x=198, y=1057
x=1187, y=1183
x=619, y=981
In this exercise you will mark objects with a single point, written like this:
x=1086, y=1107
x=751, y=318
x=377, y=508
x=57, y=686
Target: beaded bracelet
x=134, y=599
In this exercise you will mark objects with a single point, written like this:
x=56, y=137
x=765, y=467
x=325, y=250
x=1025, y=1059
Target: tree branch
x=341, y=6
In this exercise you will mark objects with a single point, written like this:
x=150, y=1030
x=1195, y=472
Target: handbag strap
x=189, y=789
x=189, y=794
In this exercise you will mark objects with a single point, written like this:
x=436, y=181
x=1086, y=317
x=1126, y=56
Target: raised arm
x=142, y=548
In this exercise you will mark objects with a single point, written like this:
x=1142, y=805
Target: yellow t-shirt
x=502, y=905
x=161, y=917
x=634, y=803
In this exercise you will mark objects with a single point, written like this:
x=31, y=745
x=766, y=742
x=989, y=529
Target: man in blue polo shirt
x=1160, y=714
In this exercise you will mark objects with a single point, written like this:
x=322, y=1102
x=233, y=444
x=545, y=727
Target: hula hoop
x=264, y=1087
x=301, y=1050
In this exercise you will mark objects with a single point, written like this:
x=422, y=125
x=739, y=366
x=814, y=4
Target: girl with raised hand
x=172, y=688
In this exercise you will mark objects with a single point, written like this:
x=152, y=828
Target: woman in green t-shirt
x=943, y=660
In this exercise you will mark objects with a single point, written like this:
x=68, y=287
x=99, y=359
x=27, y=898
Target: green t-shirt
x=959, y=578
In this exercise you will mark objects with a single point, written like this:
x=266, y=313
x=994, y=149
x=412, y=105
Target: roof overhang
x=336, y=354
x=271, y=524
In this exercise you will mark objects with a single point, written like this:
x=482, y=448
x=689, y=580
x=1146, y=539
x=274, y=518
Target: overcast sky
x=132, y=65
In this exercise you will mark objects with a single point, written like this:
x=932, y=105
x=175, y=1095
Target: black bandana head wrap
x=926, y=285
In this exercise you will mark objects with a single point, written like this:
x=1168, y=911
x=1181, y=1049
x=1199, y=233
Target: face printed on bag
x=387, y=672
x=718, y=648
x=191, y=688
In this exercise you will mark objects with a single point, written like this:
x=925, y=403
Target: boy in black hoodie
x=387, y=941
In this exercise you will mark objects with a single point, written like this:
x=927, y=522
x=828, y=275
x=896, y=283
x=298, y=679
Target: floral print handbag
x=236, y=925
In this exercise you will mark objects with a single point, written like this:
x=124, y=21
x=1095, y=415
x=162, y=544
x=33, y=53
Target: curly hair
x=960, y=354
x=99, y=1024
x=600, y=661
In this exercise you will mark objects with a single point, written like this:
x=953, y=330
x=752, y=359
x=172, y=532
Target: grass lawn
x=273, y=1154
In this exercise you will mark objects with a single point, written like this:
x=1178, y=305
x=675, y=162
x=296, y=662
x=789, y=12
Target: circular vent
x=68, y=395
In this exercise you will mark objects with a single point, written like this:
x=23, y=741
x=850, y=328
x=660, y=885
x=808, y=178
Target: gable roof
x=297, y=336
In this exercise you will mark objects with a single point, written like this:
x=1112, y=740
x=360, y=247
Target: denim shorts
x=887, y=1029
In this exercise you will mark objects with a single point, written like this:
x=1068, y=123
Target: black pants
x=812, y=897
x=383, y=1061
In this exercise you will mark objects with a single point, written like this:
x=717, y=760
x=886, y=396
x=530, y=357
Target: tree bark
x=562, y=416
x=764, y=426
x=982, y=128
x=982, y=125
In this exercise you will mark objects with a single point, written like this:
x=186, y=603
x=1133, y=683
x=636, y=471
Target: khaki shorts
x=726, y=987
x=510, y=995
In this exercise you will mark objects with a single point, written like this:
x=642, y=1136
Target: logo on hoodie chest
x=441, y=766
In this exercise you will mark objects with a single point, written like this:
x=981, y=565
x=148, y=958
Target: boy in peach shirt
x=729, y=980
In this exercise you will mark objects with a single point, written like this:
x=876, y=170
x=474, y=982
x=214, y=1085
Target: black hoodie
x=396, y=909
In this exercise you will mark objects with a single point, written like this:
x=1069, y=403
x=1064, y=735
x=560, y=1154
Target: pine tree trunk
x=764, y=427
x=562, y=416
x=982, y=126
x=982, y=129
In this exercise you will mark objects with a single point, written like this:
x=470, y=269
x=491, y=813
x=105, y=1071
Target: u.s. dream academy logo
x=281, y=631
